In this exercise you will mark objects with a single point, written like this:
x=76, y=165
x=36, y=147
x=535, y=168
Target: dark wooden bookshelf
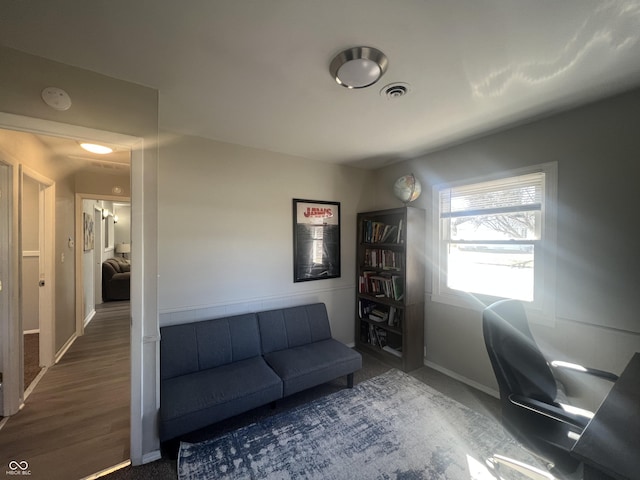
x=390, y=284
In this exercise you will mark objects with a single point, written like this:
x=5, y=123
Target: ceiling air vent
x=395, y=90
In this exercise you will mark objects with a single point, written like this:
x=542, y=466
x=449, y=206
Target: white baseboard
x=465, y=380
x=89, y=317
x=34, y=383
x=29, y=332
x=107, y=471
x=65, y=347
x=151, y=456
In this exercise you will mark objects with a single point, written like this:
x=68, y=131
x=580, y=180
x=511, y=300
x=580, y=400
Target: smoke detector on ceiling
x=56, y=98
x=395, y=90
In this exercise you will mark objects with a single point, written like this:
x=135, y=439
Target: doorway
x=111, y=228
x=139, y=366
x=36, y=234
x=31, y=276
x=97, y=260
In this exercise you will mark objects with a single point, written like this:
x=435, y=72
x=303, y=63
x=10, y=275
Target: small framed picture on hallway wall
x=89, y=234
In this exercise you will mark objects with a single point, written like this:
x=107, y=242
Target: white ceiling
x=70, y=157
x=256, y=72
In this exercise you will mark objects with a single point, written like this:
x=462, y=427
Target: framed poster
x=89, y=238
x=316, y=240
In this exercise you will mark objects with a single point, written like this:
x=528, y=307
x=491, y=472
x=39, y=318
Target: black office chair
x=534, y=408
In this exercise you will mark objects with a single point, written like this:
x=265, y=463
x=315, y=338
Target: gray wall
x=225, y=231
x=597, y=301
x=123, y=227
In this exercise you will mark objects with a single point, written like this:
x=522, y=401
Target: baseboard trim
x=34, y=383
x=65, y=347
x=151, y=456
x=29, y=332
x=107, y=471
x=465, y=380
x=89, y=317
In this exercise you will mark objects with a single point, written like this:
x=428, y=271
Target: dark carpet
x=166, y=467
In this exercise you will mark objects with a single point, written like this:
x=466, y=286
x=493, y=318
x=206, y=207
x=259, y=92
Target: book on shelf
x=388, y=233
x=383, y=259
x=364, y=284
x=397, y=287
x=365, y=307
x=380, y=232
x=393, y=351
x=394, y=317
x=377, y=336
x=378, y=313
x=389, y=286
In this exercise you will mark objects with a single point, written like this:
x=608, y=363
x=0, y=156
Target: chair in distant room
x=535, y=409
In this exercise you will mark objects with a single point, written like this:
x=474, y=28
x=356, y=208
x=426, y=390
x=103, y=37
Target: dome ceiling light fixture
x=95, y=148
x=358, y=67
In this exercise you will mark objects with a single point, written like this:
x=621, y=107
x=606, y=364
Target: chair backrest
x=518, y=364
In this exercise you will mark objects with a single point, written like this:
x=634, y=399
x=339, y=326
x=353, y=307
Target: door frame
x=139, y=390
x=80, y=317
x=8, y=293
x=46, y=242
x=97, y=257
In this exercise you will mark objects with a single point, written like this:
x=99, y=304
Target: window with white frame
x=493, y=236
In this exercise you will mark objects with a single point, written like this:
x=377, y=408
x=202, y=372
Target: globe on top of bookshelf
x=407, y=188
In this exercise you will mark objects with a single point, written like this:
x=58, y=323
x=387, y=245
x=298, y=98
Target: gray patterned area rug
x=389, y=427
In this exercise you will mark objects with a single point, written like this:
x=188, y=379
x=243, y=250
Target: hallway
x=76, y=421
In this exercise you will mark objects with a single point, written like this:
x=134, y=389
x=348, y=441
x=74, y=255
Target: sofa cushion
x=191, y=347
x=293, y=327
x=309, y=365
x=192, y=401
x=114, y=264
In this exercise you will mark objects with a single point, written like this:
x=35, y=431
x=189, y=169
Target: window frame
x=542, y=308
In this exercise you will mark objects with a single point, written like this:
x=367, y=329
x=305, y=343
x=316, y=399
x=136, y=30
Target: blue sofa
x=214, y=369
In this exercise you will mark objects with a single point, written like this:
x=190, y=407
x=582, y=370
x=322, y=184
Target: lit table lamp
x=123, y=249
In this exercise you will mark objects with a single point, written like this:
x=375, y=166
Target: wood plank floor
x=76, y=421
